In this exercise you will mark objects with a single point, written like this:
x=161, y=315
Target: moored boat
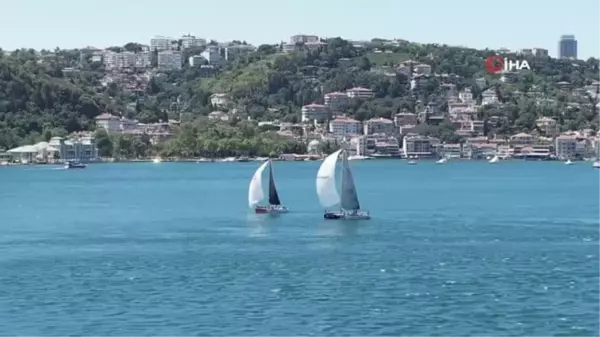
x=74, y=165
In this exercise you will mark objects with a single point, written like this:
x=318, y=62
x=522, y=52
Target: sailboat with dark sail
x=256, y=194
x=327, y=191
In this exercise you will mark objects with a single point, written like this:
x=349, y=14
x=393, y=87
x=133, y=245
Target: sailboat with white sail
x=494, y=160
x=256, y=194
x=327, y=191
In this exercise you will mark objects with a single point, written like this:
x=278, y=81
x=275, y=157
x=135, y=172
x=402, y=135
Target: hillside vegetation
x=38, y=100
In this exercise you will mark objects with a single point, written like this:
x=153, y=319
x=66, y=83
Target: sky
x=513, y=24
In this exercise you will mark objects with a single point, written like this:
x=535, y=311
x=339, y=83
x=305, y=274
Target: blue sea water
x=465, y=248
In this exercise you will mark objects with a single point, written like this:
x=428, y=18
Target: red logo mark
x=494, y=64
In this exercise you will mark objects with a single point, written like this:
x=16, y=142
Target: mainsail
x=255, y=192
x=326, y=189
x=349, y=195
x=273, y=196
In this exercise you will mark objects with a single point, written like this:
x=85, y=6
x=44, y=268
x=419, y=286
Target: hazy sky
x=513, y=24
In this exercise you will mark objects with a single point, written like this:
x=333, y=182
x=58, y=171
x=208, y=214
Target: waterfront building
x=566, y=147
x=414, y=145
x=342, y=126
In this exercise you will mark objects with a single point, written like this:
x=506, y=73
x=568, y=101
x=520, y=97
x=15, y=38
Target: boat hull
x=270, y=209
x=346, y=216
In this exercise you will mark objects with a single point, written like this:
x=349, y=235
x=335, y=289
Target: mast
x=273, y=196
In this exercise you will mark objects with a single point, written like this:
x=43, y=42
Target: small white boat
x=358, y=157
x=442, y=161
x=74, y=165
x=568, y=162
x=494, y=160
x=227, y=160
x=596, y=164
x=412, y=162
x=157, y=160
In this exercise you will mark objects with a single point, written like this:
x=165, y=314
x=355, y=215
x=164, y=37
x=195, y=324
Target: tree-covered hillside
x=39, y=99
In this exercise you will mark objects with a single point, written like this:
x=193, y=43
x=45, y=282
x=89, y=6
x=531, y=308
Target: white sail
x=326, y=190
x=255, y=191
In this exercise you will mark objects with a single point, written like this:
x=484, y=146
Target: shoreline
x=260, y=159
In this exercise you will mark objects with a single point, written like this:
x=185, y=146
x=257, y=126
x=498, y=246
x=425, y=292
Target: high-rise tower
x=567, y=47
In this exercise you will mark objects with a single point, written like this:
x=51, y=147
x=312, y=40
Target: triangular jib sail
x=255, y=191
x=349, y=194
x=273, y=196
x=326, y=190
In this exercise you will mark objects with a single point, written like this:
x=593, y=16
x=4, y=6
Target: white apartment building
x=405, y=118
x=219, y=100
x=196, y=60
x=212, y=55
x=114, y=124
x=379, y=125
x=336, y=101
x=360, y=92
x=423, y=69
x=231, y=52
x=97, y=57
x=342, y=126
x=489, y=97
x=522, y=139
x=82, y=149
x=566, y=147
x=122, y=60
x=189, y=41
x=548, y=125
x=109, y=123
x=415, y=145
x=466, y=96
x=304, y=39
x=315, y=112
x=540, y=52
x=161, y=43
x=169, y=60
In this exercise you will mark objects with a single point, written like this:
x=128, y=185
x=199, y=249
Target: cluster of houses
x=120, y=125
x=388, y=137
x=77, y=147
x=82, y=146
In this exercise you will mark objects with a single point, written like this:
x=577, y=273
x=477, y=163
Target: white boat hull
x=346, y=216
x=270, y=210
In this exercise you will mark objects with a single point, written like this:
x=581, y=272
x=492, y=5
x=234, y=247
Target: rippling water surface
x=171, y=249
